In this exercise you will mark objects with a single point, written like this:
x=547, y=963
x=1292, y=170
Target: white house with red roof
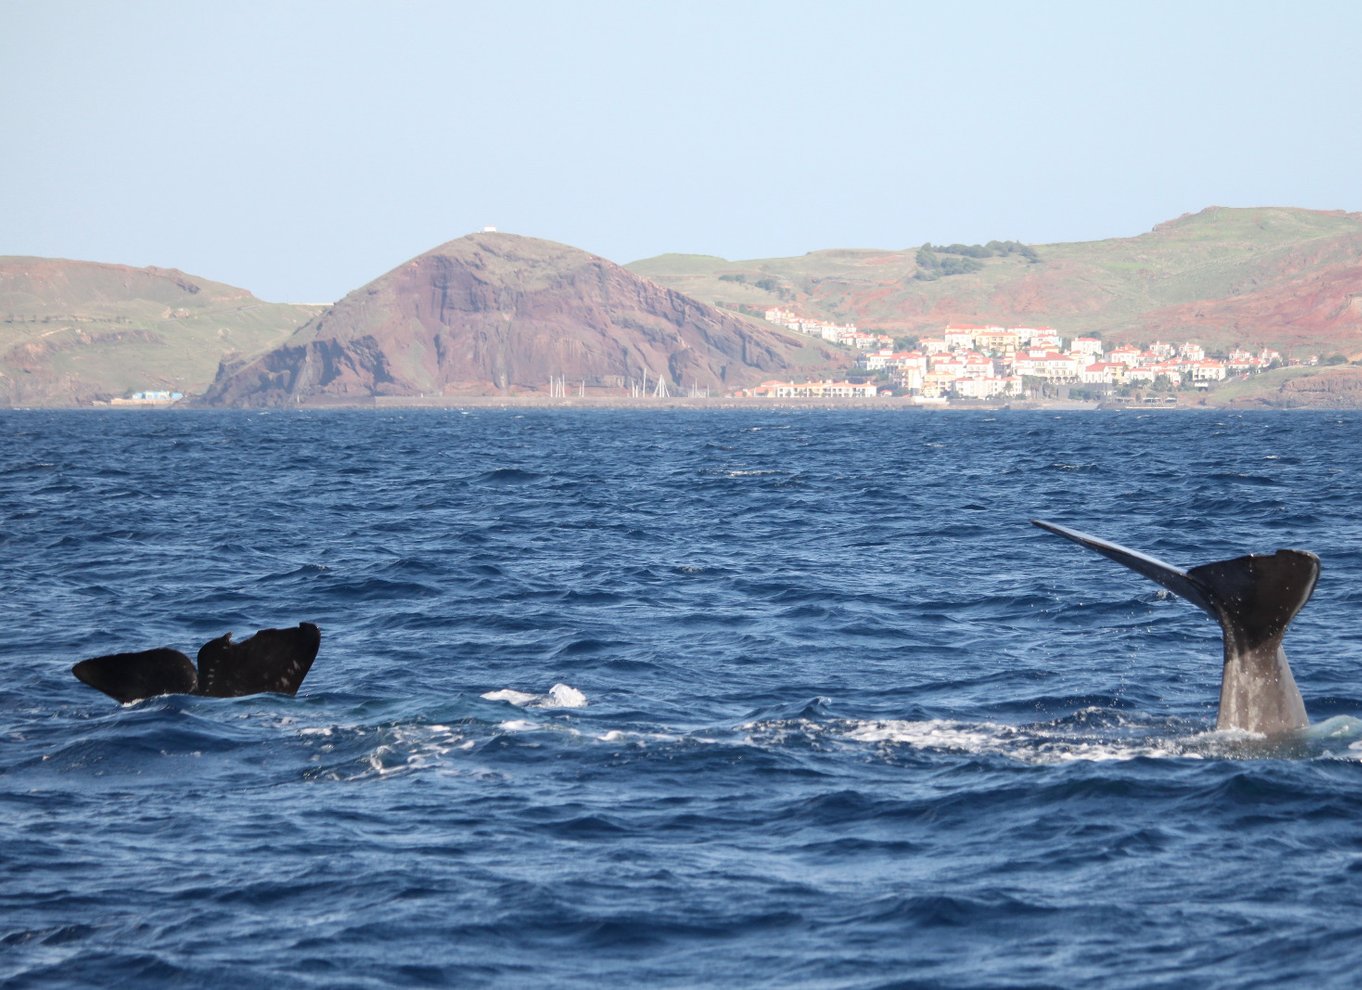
x=996, y=340
x=937, y=383
x=1171, y=370
x=952, y=365
x=1033, y=338
x=910, y=368
x=978, y=365
x=834, y=333
x=1129, y=355
x=1050, y=365
x=1103, y=373
x=845, y=334
x=990, y=387
x=905, y=360
x=875, y=360
x=1240, y=360
x=863, y=341
x=960, y=337
x=1206, y=370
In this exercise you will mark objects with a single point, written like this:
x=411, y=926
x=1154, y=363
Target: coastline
x=656, y=404
x=696, y=404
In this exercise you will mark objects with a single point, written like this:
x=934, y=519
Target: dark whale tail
x=1254, y=598
x=129, y=677
x=274, y=660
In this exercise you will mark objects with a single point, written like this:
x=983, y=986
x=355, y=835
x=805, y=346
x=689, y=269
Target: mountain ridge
x=76, y=333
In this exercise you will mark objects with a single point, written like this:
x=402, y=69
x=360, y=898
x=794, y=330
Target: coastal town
x=974, y=363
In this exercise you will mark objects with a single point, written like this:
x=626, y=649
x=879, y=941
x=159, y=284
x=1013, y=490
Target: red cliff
x=498, y=313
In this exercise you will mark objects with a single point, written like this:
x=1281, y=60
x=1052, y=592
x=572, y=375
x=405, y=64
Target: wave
x=508, y=477
x=356, y=752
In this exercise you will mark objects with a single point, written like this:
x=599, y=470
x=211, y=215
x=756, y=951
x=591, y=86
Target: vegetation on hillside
x=74, y=332
x=1272, y=277
x=961, y=259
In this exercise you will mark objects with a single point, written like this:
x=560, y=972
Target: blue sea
x=672, y=698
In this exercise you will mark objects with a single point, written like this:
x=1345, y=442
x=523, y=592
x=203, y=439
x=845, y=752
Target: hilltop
x=75, y=332
x=495, y=313
x=1283, y=278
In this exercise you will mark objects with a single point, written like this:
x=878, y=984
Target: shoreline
x=614, y=403
x=381, y=403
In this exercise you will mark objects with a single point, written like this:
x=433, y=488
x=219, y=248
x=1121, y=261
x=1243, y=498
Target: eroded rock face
x=498, y=313
x=1333, y=388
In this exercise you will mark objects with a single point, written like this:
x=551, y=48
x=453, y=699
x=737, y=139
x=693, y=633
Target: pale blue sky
x=300, y=148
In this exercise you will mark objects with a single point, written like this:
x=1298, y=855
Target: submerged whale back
x=1254, y=598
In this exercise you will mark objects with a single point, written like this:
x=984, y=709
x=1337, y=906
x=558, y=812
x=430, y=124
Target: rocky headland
x=502, y=314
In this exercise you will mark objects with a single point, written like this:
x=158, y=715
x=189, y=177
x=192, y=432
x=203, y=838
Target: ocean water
x=672, y=699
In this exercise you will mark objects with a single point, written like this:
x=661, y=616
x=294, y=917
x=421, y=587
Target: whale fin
x=1175, y=579
x=1254, y=599
x=129, y=677
x=272, y=660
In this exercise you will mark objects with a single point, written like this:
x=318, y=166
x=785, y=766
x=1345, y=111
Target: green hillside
x=76, y=332
x=1259, y=277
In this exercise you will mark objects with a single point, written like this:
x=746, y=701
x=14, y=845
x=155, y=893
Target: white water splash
x=934, y=734
x=559, y=696
x=518, y=698
x=1029, y=744
x=564, y=696
x=387, y=751
x=1048, y=744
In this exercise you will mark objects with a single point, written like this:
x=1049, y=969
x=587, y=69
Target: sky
x=301, y=148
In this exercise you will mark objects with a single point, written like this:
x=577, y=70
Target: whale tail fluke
x=127, y=677
x=1253, y=598
x=273, y=660
x=1258, y=595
